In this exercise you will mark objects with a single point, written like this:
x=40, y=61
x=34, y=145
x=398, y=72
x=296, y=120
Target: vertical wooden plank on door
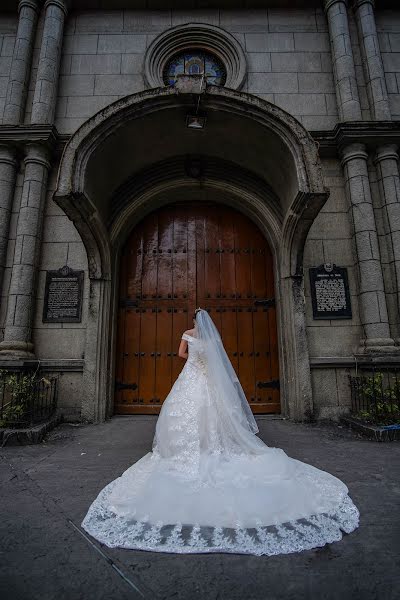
x=132, y=320
x=273, y=334
x=191, y=259
x=163, y=379
x=200, y=257
x=148, y=318
x=244, y=311
x=262, y=359
x=120, y=348
x=228, y=285
x=180, y=284
x=212, y=275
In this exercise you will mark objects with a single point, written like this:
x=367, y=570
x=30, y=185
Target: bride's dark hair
x=195, y=312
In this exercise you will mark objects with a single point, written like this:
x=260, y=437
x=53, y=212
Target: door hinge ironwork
x=125, y=386
x=273, y=383
x=128, y=303
x=265, y=302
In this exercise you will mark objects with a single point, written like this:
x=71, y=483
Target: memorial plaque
x=330, y=292
x=63, y=296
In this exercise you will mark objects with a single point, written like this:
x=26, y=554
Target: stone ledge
x=47, y=365
x=379, y=434
x=28, y=435
x=362, y=360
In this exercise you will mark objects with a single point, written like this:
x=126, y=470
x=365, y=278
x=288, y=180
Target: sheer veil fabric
x=210, y=484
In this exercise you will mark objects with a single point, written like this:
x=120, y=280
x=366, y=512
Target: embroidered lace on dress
x=206, y=487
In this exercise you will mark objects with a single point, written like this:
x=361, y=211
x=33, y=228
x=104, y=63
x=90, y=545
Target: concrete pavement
x=46, y=490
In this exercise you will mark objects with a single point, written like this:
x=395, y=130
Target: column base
x=13, y=350
x=378, y=345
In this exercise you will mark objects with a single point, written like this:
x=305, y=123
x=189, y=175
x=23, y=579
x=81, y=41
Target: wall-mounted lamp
x=195, y=121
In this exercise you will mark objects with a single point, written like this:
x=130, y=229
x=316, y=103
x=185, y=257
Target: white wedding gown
x=211, y=486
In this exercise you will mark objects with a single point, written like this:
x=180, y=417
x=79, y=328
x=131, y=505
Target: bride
x=210, y=484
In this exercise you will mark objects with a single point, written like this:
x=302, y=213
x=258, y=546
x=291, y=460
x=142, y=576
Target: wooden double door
x=183, y=256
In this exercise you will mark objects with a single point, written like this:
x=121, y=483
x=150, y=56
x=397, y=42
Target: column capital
x=33, y=4
x=388, y=151
x=37, y=153
x=62, y=4
x=353, y=151
x=358, y=3
x=8, y=155
x=329, y=3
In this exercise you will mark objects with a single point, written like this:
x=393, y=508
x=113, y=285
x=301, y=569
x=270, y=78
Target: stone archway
x=276, y=180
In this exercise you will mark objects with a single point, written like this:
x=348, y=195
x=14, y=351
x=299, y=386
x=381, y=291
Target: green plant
x=383, y=399
x=20, y=393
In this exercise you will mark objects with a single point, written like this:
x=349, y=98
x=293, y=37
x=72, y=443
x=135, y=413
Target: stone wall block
x=371, y=312
x=107, y=85
x=21, y=282
x=29, y=249
x=365, y=250
x=393, y=212
x=133, y=64
x=96, y=64
x=80, y=44
x=358, y=186
x=371, y=274
x=271, y=42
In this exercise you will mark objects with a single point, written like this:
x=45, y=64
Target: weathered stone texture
x=8, y=29
x=282, y=50
x=388, y=29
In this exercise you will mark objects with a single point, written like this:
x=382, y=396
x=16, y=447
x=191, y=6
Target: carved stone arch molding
x=258, y=158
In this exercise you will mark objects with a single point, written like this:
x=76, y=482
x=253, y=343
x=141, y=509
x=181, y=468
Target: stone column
x=45, y=96
x=21, y=301
x=373, y=309
x=343, y=62
x=21, y=62
x=386, y=161
x=372, y=60
x=8, y=169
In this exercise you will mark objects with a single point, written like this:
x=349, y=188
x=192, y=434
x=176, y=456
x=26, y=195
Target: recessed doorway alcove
x=137, y=156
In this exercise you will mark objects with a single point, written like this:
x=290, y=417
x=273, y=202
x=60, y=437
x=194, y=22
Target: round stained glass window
x=195, y=62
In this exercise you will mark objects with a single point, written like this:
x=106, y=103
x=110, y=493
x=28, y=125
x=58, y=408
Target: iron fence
x=26, y=398
x=375, y=394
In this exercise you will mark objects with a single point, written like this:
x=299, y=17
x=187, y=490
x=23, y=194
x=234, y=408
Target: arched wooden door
x=183, y=256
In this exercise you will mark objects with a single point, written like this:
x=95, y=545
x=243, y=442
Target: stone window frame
x=206, y=37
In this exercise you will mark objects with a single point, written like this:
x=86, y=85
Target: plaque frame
x=63, y=272
x=330, y=271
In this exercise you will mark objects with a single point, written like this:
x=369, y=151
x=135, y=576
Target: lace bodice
x=196, y=357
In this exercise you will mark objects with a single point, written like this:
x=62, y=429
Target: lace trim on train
x=293, y=536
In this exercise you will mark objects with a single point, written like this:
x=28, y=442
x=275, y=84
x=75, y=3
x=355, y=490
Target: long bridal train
x=210, y=484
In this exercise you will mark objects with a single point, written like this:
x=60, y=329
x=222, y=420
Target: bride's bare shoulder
x=189, y=332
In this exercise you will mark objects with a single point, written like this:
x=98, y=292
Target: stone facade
x=325, y=77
